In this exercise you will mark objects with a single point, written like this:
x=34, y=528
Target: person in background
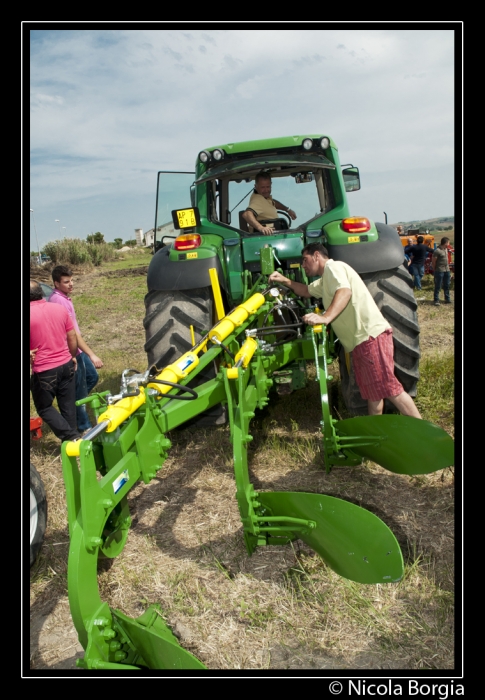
x=441, y=271
x=418, y=254
x=53, y=347
x=87, y=360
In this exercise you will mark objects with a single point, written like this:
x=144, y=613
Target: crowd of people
x=63, y=366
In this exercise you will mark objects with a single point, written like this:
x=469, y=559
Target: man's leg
x=375, y=408
x=419, y=276
x=446, y=286
x=91, y=373
x=44, y=386
x=66, y=395
x=83, y=422
x=405, y=405
x=438, y=277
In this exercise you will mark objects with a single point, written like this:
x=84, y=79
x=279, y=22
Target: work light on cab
x=307, y=144
x=187, y=241
x=356, y=224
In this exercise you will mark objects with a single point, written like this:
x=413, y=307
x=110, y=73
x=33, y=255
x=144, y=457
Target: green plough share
x=129, y=444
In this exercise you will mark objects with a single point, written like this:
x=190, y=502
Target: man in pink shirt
x=53, y=347
x=87, y=360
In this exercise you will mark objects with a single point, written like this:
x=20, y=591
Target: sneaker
x=448, y=301
x=436, y=303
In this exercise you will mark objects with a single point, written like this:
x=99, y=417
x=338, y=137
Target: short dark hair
x=312, y=248
x=35, y=291
x=61, y=271
x=262, y=176
x=420, y=239
x=444, y=240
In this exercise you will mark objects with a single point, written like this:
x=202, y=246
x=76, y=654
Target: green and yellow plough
x=261, y=345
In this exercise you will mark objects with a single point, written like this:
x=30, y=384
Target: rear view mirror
x=303, y=177
x=351, y=179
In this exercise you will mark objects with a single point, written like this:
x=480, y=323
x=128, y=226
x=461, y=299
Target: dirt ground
x=54, y=647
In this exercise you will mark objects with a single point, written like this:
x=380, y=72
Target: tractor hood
x=245, y=167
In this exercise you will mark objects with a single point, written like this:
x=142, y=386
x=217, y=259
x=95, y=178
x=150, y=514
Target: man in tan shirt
x=263, y=207
x=358, y=324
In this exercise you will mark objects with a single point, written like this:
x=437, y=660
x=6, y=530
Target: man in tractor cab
x=262, y=207
x=358, y=324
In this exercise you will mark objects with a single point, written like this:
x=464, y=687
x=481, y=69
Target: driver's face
x=263, y=187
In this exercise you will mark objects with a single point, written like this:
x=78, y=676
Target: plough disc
x=402, y=444
x=354, y=542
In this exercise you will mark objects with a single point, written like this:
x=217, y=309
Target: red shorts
x=373, y=362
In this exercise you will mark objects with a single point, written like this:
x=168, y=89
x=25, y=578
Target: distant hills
x=441, y=223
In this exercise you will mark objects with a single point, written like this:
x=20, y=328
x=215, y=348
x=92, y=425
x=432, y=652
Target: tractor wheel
x=38, y=513
x=169, y=315
x=392, y=290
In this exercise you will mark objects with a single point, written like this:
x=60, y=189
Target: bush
x=73, y=251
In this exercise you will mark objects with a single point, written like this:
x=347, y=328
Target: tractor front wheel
x=169, y=315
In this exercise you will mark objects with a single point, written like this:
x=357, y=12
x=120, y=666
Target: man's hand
x=32, y=356
x=291, y=214
x=278, y=277
x=266, y=230
x=97, y=361
x=314, y=319
x=74, y=362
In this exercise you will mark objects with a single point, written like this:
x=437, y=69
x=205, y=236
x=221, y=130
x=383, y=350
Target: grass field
x=281, y=609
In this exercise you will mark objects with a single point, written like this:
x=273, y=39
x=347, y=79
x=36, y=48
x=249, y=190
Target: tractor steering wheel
x=287, y=216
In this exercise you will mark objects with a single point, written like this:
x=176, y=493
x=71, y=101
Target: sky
x=111, y=106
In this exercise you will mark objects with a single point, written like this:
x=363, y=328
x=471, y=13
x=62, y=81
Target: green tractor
x=220, y=342
x=306, y=174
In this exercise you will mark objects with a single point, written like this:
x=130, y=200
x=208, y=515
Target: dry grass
x=282, y=608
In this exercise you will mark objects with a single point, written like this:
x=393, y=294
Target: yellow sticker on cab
x=353, y=239
x=191, y=255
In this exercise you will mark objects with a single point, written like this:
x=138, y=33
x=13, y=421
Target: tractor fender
x=384, y=254
x=168, y=275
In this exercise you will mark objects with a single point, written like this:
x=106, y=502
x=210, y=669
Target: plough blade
x=354, y=542
x=151, y=637
x=402, y=444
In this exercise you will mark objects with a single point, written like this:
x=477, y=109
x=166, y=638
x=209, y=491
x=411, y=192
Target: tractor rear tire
x=169, y=315
x=392, y=290
x=38, y=513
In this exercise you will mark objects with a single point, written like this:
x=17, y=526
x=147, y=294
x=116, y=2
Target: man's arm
x=72, y=342
x=340, y=300
x=248, y=216
x=288, y=210
x=82, y=345
x=297, y=287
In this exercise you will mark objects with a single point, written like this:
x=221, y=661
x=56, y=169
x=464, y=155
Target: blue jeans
x=417, y=272
x=442, y=279
x=83, y=422
x=91, y=373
